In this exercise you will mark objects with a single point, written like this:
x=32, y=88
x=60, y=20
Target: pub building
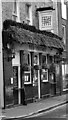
x=32, y=63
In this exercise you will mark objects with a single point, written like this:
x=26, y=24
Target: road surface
x=58, y=112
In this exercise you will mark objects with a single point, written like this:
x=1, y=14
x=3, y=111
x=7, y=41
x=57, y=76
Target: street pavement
x=34, y=108
x=58, y=112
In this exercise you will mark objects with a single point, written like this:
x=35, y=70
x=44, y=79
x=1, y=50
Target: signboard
x=45, y=20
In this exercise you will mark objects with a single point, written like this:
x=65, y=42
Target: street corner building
x=32, y=63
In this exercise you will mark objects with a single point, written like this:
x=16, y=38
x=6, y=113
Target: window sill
x=45, y=81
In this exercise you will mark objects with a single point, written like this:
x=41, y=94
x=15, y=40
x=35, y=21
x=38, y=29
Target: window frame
x=28, y=72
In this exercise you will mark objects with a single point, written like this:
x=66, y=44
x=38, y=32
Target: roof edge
x=7, y=23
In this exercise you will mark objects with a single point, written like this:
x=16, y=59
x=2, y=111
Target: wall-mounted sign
x=45, y=20
x=57, y=69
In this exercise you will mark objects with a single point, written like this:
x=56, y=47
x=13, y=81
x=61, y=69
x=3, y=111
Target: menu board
x=15, y=76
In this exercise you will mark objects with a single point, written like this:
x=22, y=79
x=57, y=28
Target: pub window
x=27, y=73
x=36, y=64
x=35, y=59
x=44, y=75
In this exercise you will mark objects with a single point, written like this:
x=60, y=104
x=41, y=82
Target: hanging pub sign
x=45, y=20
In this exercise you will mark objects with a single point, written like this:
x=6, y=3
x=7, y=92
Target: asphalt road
x=56, y=113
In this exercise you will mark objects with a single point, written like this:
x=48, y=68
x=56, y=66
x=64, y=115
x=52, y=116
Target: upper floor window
x=64, y=34
x=63, y=9
x=29, y=14
x=15, y=14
